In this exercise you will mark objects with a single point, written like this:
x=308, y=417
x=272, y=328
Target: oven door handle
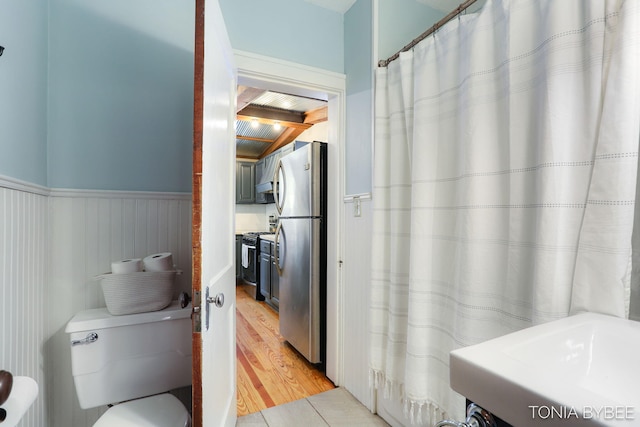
x=246, y=262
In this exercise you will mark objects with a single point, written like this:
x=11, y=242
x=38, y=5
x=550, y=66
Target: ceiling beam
x=272, y=113
x=246, y=95
x=253, y=138
x=289, y=135
x=316, y=116
x=295, y=125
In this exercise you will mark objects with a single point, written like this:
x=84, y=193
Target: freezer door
x=298, y=183
x=300, y=285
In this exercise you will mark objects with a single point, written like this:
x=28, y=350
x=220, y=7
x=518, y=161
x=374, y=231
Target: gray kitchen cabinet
x=269, y=279
x=265, y=269
x=245, y=182
x=260, y=197
x=275, y=279
x=286, y=150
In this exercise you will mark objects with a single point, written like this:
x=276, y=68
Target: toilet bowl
x=162, y=410
x=131, y=362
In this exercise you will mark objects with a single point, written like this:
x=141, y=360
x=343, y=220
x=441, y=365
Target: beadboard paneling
x=89, y=230
x=23, y=291
x=357, y=274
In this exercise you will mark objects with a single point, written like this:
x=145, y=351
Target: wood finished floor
x=270, y=371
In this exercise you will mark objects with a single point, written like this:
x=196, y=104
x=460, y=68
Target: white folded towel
x=245, y=256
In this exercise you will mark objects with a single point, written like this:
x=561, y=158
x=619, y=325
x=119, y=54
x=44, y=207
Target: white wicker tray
x=138, y=292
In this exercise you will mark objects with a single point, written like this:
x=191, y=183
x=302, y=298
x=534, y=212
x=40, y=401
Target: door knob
x=184, y=299
x=218, y=300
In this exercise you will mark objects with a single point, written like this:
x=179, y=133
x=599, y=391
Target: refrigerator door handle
x=276, y=249
x=276, y=186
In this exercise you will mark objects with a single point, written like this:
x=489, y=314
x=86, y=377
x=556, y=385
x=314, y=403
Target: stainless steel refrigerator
x=300, y=192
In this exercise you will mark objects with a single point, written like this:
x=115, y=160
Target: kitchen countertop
x=240, y=232
x=269, y=237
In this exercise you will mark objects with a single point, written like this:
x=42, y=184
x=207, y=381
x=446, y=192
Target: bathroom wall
x=358, y=67
x=356, y=280
x=357, y=229
x=23, y=85
x=24, y=295
x=401, y=21
x=120, y=94
x=95, y=95
x=89, y=229
x=52, y=243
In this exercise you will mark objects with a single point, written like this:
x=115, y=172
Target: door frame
x=297, y=79
x=265, y=72
x=196, y=210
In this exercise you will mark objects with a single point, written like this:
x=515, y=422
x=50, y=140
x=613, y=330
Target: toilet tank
x=133, y=356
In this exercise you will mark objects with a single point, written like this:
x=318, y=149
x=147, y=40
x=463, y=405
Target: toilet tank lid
x=99, y=318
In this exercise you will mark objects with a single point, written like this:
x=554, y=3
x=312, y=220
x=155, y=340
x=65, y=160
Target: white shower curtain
x=506, y=151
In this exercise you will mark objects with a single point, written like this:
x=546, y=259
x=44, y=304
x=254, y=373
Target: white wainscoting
x=89, y=230
x=356, y=279
x=52, y=243
x=24, y=298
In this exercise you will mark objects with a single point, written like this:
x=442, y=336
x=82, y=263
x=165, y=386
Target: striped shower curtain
x=506, y=151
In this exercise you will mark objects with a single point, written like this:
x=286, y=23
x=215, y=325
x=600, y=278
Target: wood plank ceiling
x=266, y=120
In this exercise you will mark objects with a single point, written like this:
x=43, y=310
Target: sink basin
x=580, y=370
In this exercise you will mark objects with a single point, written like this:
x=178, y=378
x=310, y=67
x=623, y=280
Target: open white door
x=214, y=230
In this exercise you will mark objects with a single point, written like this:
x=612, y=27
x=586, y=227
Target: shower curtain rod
x=461, y=8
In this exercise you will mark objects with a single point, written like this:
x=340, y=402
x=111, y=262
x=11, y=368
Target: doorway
x=258, y=71
x=265, y=73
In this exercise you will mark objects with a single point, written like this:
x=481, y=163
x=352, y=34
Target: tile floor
x=335, y=407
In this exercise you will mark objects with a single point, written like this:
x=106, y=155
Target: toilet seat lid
x=162, y=410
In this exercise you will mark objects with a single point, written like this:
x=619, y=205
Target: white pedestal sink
x=581, y=370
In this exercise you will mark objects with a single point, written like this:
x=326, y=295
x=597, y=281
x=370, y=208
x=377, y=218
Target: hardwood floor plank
x=275, y=374
x=251, y=394
x=270, y=371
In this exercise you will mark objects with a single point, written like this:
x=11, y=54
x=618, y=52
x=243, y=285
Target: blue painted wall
x=401, y=21
x=118, y=113
x=120, y=95
x=358, y=48
x=291, y=30
x=358, y=60
x=23, y=90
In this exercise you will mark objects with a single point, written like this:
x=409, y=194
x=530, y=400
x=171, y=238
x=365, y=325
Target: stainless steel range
x=251, y=260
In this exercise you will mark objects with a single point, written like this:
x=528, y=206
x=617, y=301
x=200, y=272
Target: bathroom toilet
x=131, y=362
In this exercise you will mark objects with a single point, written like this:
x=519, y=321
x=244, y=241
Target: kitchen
x=273, y=134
